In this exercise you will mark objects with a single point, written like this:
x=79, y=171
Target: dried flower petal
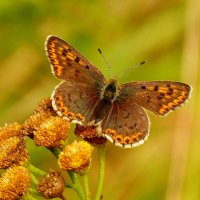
x=14, y=183
x=10, y=130
x=51, y=132
x=13, y=151
x=52, y=185
x=76, y=157
x=89, y=133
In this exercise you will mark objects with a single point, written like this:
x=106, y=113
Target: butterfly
x=85, y=96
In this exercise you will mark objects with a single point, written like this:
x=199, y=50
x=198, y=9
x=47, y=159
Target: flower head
x=45, y=126
x=10, y=130
x=41, y=113
x=76, y=157
x=14, y=183
x=51, y=132
x=13, y=151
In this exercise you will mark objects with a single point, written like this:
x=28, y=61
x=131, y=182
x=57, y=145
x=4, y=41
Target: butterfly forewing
x=68, y=64
x=77, y=96
x=160, y=97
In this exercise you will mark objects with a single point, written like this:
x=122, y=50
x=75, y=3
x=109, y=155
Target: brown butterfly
x=85, y=96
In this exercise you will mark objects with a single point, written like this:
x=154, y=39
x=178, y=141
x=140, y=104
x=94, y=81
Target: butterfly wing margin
x=67, y=63
x=160, y=97
x=127, y=124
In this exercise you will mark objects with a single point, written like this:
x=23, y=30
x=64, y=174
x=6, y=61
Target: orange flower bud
x=52, y=185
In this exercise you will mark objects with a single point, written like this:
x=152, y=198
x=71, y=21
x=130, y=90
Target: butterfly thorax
x=111, y=90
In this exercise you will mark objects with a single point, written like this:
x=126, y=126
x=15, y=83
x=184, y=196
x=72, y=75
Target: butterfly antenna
x=131, y=68
x=99, y=50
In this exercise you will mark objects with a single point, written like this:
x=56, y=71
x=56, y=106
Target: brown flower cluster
x=51, y=131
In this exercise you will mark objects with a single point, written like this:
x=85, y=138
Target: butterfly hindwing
x=75, y=102
x=126, y=125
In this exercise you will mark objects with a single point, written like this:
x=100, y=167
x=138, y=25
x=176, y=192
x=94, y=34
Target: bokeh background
x=165, y=33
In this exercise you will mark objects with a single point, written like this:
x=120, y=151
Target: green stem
x=101, y=172
x=29, y=196
x=77, y=184
x=36, y=170
x=70, y=185
x=33, y=194
x=34, y=179
x=55, y=151
x=86, y=186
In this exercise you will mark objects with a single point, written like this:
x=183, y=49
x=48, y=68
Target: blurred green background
x=165, y=33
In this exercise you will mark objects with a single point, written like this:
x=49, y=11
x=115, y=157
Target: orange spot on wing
x=164, y=109
x=70, y=57
x=110, y=132
x=177, y=101
x=127, y=140
x=63, y=110
x=171, y=105
x=70, y=115
x=119, y=139
x=52, y=45
x=53, y=55
x=58, y=98
x=80, y=117
x=134, y=139
x=60, y=49
x=58, y=70
x=81, y=62
x=150, y=87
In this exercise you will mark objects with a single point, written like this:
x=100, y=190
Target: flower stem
x=55, y=151
x=101, y=172
x=34, y=179
x=29, y=196
x=86, y=186
x=35, y=170
x=77, y=184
